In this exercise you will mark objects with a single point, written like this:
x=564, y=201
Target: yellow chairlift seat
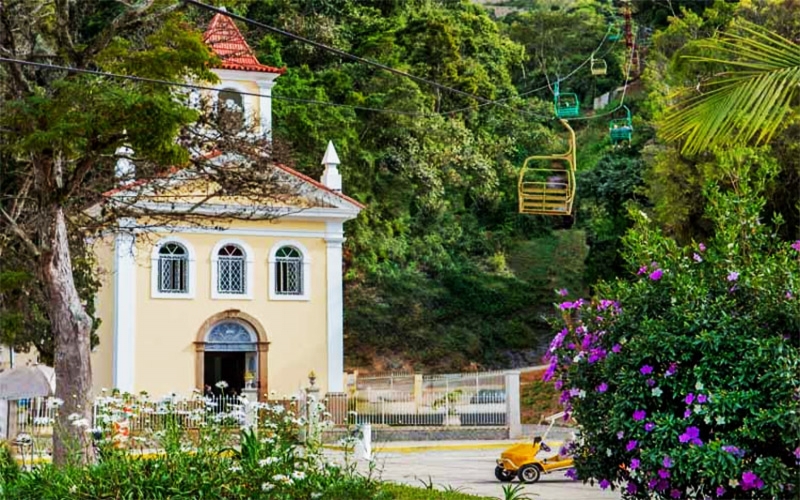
x=549, y=191
x=599, y=67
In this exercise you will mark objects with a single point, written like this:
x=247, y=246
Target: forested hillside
x=442, y=273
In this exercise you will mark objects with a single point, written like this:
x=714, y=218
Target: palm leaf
x=748, y=102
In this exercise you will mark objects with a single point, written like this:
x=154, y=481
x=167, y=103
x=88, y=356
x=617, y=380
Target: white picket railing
x=37, y=415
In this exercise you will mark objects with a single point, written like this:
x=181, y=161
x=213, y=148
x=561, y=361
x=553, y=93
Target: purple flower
x=603, y=387
x=634, y=463
x=604, y=304
x=750, y=480
x=559, y=384
x=604, y=484
x=642, y=270
x=563, y=292
x=597, y=354
x=649, y=426
x=692, y=435
x=701, y=247
x=571, y=346
x=697, y=258
x=675, y=493
x=616, y=348
x=620, y=434
x=652, y=483
x=656, y=275
x=551, y=370
x=789, y=294
x=733, y=450
x=687, y=413
x=646, y=370
x=720, y=491
x=632, y=489
x=631, y=445
x=566, y=305
x=667, y=462
x=662, y=485
x=639, y=415
x=689, y=398
x=796, y=245
x=651, y=382
x=673, y=367
x=733, y=276
x=796, y=453
x=572, y=474
x=663, y=473
x=702, y=398
x=574, y=392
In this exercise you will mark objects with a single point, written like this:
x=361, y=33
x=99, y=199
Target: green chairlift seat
x=621, y=129
x=567, y=104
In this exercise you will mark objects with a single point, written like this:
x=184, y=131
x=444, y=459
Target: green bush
x=685, y=379
x=194, y=455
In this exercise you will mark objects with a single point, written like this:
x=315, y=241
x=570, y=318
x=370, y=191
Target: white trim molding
x=334, y=238
x=124, y=349
x=191, y=271
x=272, y=260
x=248, y=270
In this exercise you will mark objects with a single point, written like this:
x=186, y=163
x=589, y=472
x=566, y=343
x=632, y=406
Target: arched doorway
x=232, y=347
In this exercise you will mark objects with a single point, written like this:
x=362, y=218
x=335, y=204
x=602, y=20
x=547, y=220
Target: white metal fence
x=37, y=415
x=402, y=399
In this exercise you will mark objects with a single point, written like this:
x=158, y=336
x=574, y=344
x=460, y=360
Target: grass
x=393, y=491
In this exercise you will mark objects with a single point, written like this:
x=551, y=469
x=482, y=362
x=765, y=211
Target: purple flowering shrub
x=685, y=378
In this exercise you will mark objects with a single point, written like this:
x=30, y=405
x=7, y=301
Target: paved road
x=470, y=468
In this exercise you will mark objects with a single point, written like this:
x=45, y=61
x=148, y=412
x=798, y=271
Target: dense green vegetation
x=441, y=271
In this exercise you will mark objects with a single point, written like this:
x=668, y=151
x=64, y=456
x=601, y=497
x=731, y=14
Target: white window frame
x=155, y=293
x=306, y=295
x=248, y=271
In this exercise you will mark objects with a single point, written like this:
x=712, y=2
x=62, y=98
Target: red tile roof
x=228, y=44
x=318, y=184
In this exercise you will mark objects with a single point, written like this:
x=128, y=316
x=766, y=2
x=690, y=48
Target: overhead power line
x=336, y=51
x=203, y=87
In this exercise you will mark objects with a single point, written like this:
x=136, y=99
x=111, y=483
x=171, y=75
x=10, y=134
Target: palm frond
x=748, y=102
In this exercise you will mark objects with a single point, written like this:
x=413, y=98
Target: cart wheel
x=529, y=474
x=503, y=475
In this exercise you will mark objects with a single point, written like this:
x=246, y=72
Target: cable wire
x=336, y=51
x=212, y=89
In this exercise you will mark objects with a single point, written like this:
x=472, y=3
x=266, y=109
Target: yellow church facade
x=256, y=304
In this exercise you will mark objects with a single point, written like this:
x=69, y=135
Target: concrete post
x=513, y=419
x=417, y=391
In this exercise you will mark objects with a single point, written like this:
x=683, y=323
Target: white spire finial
x=125, y=170
x=331, y=177
x=330, y=158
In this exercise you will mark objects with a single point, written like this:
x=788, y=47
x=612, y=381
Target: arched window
x=288, y=271
x=231, y=270
x=173, y=268
x=230, y=108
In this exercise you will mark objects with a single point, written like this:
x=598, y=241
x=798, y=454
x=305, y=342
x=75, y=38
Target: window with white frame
x=173, y=269
x=231, y=270
x=288, y=271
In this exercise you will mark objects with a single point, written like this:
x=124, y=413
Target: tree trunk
x=71, y=327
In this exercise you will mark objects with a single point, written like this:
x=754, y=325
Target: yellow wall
x=102, y=357
x=166, y=328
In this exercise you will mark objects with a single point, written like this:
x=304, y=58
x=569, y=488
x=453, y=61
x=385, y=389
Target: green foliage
x=750, y=102
x=702, y=340
x=389, y=491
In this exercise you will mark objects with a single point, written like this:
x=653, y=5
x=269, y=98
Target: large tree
x=63, y=134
